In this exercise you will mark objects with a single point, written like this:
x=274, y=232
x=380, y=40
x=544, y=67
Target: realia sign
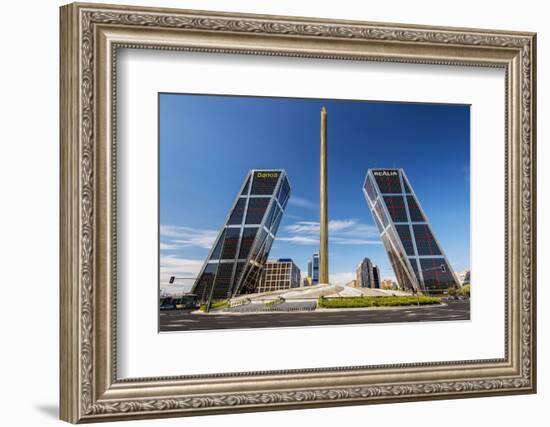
x=385, y=173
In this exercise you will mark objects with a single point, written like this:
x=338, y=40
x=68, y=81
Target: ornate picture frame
x=90, y=37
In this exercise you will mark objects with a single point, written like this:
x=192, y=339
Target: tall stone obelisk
x=323, y=220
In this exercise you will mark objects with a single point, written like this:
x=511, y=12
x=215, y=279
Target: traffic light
x=443, y=268
x=172, y=278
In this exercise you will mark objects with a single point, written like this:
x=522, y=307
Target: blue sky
x=209, y=143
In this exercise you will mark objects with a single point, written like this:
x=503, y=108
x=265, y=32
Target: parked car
x=187, y=301
x=168, y=306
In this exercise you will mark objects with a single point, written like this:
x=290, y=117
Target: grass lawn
x=390, y=301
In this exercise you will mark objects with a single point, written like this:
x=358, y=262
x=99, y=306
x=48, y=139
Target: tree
x=465, y=291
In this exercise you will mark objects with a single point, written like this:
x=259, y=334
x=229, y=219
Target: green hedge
x=277, y=301
x=215, y=304
x=464, y=291
x=359, y=302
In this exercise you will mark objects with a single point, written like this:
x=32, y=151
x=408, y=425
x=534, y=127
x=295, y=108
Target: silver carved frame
x=90, y=36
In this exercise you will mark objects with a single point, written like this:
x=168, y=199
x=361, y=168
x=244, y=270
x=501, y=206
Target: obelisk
x=323, y=220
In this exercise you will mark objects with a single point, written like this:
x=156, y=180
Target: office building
x=376, y=277
x=313, y=268
x=280, y=274
x=415, y=254
x=352, y=283
x=364, y=274
x=464, y=277
x=388, y=285
x=236, y=260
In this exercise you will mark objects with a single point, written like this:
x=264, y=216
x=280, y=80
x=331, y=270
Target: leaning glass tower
x=415, y=254
x=237, y=258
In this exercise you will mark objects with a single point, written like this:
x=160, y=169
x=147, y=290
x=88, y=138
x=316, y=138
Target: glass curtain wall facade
x=376, y=277
x=365, y=274
x=313, y=268
x=280, y=274
x=416, y=257
x=236, y=260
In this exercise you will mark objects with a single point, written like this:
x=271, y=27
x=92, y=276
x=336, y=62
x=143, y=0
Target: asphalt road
x=183, y=320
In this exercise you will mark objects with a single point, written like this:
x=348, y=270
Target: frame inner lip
x=288, y=372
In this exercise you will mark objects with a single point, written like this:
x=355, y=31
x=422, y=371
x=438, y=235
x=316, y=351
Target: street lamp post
x=174, y=278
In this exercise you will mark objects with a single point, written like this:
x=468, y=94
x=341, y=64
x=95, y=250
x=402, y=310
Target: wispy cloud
x=302, y=203
x=177, y=237
x=304, y=227
x=300, y=240
x=181, y=268
x=351, y=241
x=168, y=246
x=292, y=216
x=180, y=265
x=341, y=231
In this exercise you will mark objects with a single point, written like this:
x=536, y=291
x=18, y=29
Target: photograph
x=294, y=212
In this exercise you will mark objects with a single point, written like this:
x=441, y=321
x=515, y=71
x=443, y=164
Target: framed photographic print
x=265, y=212
x=257, y=255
